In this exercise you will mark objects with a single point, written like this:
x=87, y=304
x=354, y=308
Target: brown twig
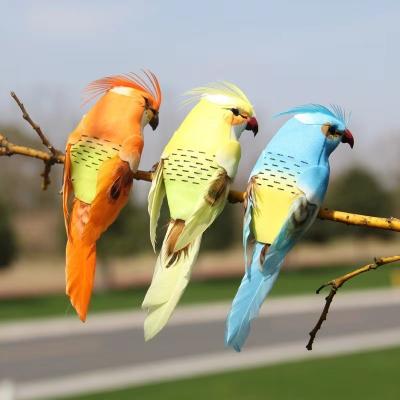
x=54, y=153
x=337, y=283
x=8, y=149
x=391, y=223
x=54, y=156
x=35, y=126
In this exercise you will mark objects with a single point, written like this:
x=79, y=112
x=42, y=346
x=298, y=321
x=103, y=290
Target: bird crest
x=334, y=111
x=222, y=93
x=147, y=84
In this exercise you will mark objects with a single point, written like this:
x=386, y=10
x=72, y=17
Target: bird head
x=145, y=89
x=230, y=104
x=328, y=125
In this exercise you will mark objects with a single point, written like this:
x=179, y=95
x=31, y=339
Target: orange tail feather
x=85, y=225
x=80, y=270
x=80, y=260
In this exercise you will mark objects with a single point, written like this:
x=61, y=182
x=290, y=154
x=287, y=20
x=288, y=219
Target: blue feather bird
x=284, y=194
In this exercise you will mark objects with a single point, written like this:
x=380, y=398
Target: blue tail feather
x=256, y=284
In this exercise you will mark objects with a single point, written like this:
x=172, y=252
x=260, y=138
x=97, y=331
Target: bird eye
x=332, y=130
x=235, y=111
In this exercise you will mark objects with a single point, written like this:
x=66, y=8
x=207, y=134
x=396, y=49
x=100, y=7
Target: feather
x=217, y=188
x=257, y=282
x=155, y=200
x=130, y=80
x=80, y=261
x=205, y=213
x=334, y=111
x=252, y=292
x=176, y=229
x=67, y=187
x=167, y=287
x=87, y=223
x=249, y=204
x=222, y=93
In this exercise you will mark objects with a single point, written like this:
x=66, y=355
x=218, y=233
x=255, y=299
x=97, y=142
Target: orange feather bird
x=102, y=154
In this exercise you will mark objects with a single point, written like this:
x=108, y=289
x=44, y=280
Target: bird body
x=102, y=154
x=194, y=173
x=285, y=191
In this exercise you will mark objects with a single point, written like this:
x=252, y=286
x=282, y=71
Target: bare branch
x=337, y=283
x=35, y=126
x=55, y=156
x=8, y=149
x=391, y=223
x=322, y=318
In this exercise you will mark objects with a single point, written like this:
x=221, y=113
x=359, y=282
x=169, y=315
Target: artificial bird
x=285, y=190
x=195, y=173
x=102, y=154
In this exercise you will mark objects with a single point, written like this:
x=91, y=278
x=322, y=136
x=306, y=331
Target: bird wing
x=213, y=199
x=155, y=200
x=259, y=279
x=210, y=205
x=312, y=183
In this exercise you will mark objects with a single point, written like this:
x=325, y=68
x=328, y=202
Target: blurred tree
x=357, y=190
x=396, y=197
x=128, y=235
x=225, y=230
x=20, y=178
x=8, y=242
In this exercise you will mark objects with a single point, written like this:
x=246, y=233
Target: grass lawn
x=367, y=376
x=289, y=283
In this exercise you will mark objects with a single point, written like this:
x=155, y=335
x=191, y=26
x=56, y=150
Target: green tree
x=357, y=190
x=8, y=242
x=128, y=235
x=225, y=230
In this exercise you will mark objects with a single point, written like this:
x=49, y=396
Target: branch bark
x=337, y=283
x=35, y=126
x=8, y=149
x=54, y=156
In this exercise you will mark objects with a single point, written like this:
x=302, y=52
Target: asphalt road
x=45, y=356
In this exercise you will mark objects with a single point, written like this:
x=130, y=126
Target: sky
x=281, y=53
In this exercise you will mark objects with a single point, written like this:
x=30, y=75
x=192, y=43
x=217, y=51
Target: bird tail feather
x=254, y=288
x=80, y=263
x=171, y=276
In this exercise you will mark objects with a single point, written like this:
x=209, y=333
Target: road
x=61, y=356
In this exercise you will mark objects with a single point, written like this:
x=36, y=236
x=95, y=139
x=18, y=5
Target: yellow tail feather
x=167, y=287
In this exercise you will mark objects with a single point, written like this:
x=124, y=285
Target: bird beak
x=154, y=122
x=348, y=138
x=252, y=125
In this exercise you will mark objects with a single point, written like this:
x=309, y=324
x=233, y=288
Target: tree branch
x=54, y=156
x=35, y=126
x=8, y=149
x=337, y=283
x=50, y=159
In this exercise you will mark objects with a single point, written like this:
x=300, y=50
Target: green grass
x=289, y=283
x=367, y=376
